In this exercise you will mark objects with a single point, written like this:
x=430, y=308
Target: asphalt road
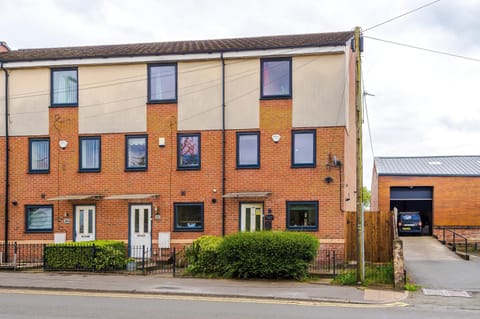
x=21, y=304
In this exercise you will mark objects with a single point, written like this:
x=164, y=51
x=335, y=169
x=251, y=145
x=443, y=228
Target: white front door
x=84, y=223
x=251, y=217
x=140, y=230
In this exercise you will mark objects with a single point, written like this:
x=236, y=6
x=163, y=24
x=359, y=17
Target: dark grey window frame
x=187, y=168
x=80, y=152
x=288, y=95
x=30, y=168
x=239, y=135
x=159, y=101
x=134, y=168
x=303, y=228
x=52, y=103
x=188, y=229
x=314, y=160
x=43, y=230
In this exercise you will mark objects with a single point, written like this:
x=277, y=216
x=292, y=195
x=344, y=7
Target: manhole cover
x=446, y=293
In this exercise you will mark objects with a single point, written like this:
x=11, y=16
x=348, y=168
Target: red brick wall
x=455, y=199
x=2, y=188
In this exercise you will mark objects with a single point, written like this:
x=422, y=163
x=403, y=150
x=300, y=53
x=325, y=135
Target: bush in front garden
x=109, y=255
x=270, y=255
x=202, y=256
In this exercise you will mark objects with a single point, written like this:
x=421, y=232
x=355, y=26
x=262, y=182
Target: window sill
x=188, y=168
x=39, y=172
x=248, y=167
x=162, y=102
x=276, y=97
x=39, y=231
x=54, y=106
x=313, y=229
x=89, y=171
x=180, y=230
x=136, y=169
x=304, y=166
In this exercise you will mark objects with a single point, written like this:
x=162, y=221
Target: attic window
x=435, y=163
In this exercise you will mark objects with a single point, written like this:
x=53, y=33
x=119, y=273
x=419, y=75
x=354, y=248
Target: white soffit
x=76, y=197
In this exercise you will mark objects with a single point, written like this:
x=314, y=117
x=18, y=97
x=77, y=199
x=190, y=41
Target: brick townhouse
x=160, y=143
x=443, y=189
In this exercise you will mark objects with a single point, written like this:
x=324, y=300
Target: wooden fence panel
x=378, y=229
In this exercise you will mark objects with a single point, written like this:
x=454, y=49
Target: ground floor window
x=38, y=218
x=188, y=217
x=302, y=215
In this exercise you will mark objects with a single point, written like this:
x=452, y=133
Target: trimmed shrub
x=269, y=255
x=107, y=255
x=202, y=256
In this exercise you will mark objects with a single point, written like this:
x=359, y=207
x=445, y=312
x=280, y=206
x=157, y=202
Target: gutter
x=223, y=143
x=7, y=162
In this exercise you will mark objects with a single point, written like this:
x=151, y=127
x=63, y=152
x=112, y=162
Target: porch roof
x=76, y=197
x=132, y=196
x=246, y=194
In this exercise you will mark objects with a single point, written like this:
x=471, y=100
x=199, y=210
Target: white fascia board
x=177, y=57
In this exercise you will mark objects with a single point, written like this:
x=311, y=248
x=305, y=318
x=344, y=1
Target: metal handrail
x=454, y=244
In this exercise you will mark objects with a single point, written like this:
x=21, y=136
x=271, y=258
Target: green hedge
x=202, y=256
x=107, y=255
x=269, y=255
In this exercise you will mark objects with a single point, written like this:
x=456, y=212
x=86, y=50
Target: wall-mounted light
x=14, y=203
x=328, y=179
x=63, y=144
x=276, y=138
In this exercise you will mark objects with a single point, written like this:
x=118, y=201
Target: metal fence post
x=94, y=254
x=15, y=256
x=143, y=259
x=454, y=246
x=334, y=264
x=44, y=256
x=174, y=261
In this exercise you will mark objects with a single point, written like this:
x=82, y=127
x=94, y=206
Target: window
x=302, y=215
x=188, y=217
x=276, y=78
x=39, y=158
x=136, y=153
x=188, y=151
x=303, y=149
x=248, y=150
x=162, y=83
x=90, y=154
x=38, y=218
x=64, y=84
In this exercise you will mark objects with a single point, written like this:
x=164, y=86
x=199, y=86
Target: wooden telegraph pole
x=359, y=119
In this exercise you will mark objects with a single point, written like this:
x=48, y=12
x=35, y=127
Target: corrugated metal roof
x=429, y=166
x=180, y=47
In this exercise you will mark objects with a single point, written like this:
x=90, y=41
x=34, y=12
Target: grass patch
x=374, y=275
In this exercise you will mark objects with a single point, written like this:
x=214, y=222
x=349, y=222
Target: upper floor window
x=39, y=155
x=248, y=150
x=136, y=153
x=162, y=83
x=90, y=154
x=302, y=215
x=276, y=78
x=188, y=151
x=304, y=149
x=64, y=87
x=38, y=218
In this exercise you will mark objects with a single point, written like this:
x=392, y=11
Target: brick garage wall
x=455, y=199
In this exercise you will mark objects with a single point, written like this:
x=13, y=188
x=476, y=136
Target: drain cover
x=446, y=293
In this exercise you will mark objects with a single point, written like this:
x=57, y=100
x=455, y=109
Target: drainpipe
x=7, y=162
x=223, y=143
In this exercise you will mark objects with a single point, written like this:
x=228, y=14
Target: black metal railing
x=21, y=256
x=455, y=242
x=148, y=260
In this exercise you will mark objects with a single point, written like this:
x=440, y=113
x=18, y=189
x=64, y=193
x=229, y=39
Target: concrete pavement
x=432, y=265
x=157, y=284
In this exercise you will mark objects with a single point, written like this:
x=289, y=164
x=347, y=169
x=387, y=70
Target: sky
x=419, y=103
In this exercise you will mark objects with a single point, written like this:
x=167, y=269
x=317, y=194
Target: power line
x=425, y=49
x=402, y=15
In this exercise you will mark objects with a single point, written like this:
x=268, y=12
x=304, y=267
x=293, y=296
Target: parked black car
x=409, y=223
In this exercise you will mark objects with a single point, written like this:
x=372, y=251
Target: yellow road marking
x=198, y=298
